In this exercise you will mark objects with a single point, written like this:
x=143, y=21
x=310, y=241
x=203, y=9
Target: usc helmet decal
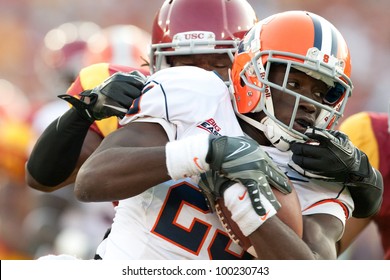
x=183, y=27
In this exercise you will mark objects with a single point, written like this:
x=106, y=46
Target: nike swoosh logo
x=346, y=148
x=241, y=197
x=264, y=217
x=244, y=146
x=197, y=164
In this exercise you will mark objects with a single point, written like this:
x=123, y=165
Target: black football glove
x=111, y=98
x=331, y=156
x=242, y=159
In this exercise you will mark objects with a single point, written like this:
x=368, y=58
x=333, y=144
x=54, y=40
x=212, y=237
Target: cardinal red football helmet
x=183, y=27
x=300, y=40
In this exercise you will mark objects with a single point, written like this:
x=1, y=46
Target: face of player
x=217, y=62
x=302, y=84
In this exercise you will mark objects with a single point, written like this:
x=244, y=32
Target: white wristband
x=187, y=157
x=238, y=202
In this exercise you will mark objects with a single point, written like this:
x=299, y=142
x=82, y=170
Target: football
x=289, y=213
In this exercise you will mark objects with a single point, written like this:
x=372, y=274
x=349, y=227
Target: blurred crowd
x=44, y=45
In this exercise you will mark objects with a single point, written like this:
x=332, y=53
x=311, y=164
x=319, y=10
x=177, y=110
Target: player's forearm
x=367, y=194
x=31, y=182
x=275, y=240
x=55, y=155
x=129, y=161
x=130, y=172
x=353, y=227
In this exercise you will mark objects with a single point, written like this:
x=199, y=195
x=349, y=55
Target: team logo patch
x=211, y=126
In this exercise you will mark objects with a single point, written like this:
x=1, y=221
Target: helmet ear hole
x=242, y=83
x=169, y=60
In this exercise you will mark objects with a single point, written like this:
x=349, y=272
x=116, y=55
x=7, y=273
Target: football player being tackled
x=277, y=135
x=207, y=39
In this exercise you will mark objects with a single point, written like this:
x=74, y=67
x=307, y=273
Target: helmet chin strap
x=277, y=135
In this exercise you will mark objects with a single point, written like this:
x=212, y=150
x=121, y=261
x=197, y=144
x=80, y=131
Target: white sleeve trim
x=331, y=208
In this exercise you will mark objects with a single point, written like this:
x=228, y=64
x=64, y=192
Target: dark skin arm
x=138, y=163
x=275, y=240
x=136, y=157
x=353, y=228
x=91, y=142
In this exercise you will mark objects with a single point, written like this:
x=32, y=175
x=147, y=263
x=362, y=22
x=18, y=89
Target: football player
x=286, y=97
x=207, y=38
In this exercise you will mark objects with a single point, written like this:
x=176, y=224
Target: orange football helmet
x=297, y=39
x=184, y=27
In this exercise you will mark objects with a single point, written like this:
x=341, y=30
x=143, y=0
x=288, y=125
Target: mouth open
x=302, y=124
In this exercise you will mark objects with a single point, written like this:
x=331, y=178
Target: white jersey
x=172, y=220
x=315, y=196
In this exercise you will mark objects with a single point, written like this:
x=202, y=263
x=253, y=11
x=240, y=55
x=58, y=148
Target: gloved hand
x=111, y=98
x=212, y=186
x=242, y=159
x=331, y=156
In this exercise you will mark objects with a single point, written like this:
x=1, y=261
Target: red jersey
x=370, y=132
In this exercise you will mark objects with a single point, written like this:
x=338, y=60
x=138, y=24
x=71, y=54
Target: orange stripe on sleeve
x=332, y=200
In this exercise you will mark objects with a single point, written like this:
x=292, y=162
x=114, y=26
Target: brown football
x=289, y=213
